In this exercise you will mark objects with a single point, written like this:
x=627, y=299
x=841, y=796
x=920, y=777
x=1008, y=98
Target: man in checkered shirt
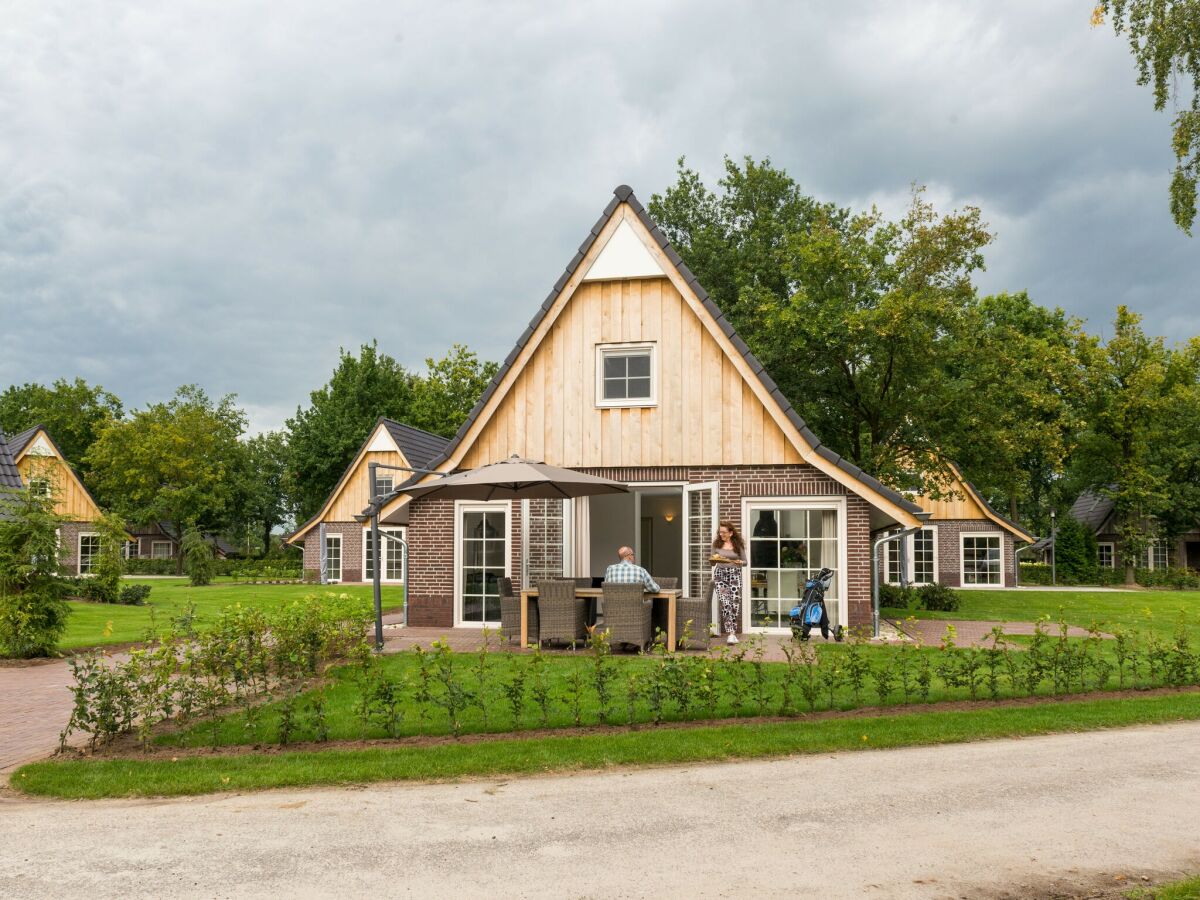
x=629, y=572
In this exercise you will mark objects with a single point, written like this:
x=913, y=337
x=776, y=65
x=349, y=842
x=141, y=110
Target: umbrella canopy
x=517, y=479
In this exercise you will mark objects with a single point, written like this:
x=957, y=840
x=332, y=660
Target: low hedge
x=1178, y=578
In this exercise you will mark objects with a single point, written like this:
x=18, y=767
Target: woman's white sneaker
x=732, y=639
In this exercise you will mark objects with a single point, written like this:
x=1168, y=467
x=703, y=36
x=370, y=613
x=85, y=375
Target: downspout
x=887, y=538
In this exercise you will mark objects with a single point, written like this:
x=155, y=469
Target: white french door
x=699, y=527
x=481, y=559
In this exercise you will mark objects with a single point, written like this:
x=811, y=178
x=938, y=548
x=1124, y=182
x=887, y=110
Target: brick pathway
x=929, y=632
x=35, y=703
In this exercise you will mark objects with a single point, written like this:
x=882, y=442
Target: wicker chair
x=686, y=610
x=561, y=616
x=510, y=614
x=627, y=614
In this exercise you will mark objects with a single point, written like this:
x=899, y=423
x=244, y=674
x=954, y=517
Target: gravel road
x=1053, y=816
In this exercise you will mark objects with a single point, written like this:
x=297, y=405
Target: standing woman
x=728, y=557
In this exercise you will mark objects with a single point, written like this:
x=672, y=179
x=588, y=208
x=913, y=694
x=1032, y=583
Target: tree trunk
x=266, y=547
x=1130, y=575
x=178, y=548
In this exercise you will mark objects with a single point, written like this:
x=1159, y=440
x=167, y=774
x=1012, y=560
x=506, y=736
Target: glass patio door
x=483, y=561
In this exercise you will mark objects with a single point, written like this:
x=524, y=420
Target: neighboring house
x=159, y=541
x=44, y=470
x=964, y=543
x=630, y=371
x=1096, y=512
x=347, y=554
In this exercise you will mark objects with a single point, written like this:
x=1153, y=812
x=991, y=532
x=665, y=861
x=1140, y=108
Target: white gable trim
x=624, y=256
x=382, y=442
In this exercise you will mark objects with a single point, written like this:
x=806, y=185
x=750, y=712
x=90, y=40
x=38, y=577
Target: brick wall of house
x=68, y=542
x=352, y=549
x=431, y=530
x=949, y=548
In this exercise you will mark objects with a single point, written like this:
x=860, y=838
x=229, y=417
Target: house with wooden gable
x=333, y=541
x=965, y=542
x=43, y=469
x=630, y=371
x=10, y=477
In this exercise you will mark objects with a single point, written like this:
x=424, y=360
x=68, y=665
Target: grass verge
x=101, y=778
x=1188, y=889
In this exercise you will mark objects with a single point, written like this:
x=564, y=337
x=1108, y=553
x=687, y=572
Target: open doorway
x=649, y=519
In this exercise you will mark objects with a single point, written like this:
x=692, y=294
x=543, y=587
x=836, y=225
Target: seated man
x=628, y=572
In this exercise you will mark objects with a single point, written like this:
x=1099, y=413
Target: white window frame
x=843, y=570
x=79, y=552
x=626, y=349
x=334, y=536
x=170, y=549
x=962, y=559
x=1112, y=554
x=383, y=541
x=465, y=506
x=1148, y=558
x=380, y=478
x=910, y=546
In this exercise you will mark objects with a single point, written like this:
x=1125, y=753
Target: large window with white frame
x=89, y=549
x=1157, y=556
x=982, y=559
x=1106, y=556
x=788, y=543
x=333, y=557
x=161, y=550
x=130, y=549
x=392, y=551
x=921, y=551
x=626, y=375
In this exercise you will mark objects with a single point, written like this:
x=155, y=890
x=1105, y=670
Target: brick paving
x=35, y=703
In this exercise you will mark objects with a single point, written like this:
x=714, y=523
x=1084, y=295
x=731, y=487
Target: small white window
x=161, y=550
x=131, y=550
x=626, y=375
x=1105, y=557
x=383, y=483
x=40, y=486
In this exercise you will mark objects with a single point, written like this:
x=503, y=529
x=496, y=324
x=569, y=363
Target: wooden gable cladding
x=355, y=492
x=71, y=499
x=706, y=412
x=962, y=507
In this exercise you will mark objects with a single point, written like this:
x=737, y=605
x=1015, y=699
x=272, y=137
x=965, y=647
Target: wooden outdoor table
x=670, y=596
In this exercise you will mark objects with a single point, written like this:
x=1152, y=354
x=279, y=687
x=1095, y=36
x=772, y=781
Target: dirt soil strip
x=1066, y=815
x=126, y=747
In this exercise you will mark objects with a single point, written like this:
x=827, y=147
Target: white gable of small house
x=40, y=447
x=382, y=442
x=624, y=256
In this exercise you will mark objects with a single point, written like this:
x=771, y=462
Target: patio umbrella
x=517, y=479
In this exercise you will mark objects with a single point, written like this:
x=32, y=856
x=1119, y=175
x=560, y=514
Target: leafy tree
x=323, y=438
x=451, y=387
x=109, y=564
x=197, y=555
x=264, y=487
x=1122, y=452
x=1074, y=551
x=175, y=462
x=1164, y=37
x=33, y=614
x=72, y=411
x=1016, y=374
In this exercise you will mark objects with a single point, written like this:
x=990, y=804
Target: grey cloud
x=227, y=194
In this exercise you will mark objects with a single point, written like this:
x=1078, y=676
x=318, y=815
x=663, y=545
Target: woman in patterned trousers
x=728, y=557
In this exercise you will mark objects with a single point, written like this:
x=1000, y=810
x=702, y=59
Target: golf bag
x=812, y=612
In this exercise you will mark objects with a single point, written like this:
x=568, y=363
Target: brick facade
x=352, y=550
x=431, y=530
x=949, y=548
x=68, y=543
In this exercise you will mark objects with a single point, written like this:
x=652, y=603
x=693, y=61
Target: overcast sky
x=226, y=193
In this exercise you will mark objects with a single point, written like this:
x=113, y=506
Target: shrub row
x=95, y=590
x=240, y=658
x=935, y=597
x=1174, y=577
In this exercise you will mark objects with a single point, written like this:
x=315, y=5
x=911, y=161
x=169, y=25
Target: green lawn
x=101, y=624
x=97, y=778
x=1145, y=610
